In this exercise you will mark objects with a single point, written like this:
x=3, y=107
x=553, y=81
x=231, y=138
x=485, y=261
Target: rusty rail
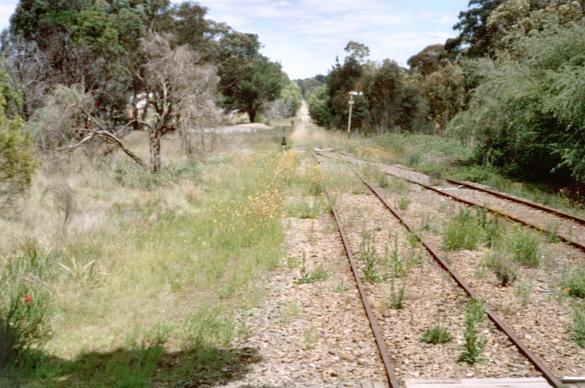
x=468, y=202
x=523, y=349
x=391, y=376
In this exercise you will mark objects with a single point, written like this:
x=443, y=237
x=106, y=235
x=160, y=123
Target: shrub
x=24, y=303
x=502, y=267
x=574, y=284
x=436, y=335
x=369, y=255
x=474, y=342
x=17, y=160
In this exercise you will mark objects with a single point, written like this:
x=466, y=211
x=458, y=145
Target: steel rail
x=465, y=201
x=533, y=358
x=379, y=338
x=495, y=193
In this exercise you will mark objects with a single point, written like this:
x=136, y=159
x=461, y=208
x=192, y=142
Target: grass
x=145, y=285
x=436, y=335
x=310, y=207
x=502, y=266
x=464, y=231
x=524, y=246
x=317, y=275
x=574, y=283
x=368, y=254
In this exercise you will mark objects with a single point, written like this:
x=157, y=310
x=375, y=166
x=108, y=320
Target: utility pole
x=351, y=102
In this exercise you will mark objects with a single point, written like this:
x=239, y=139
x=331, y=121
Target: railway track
x=534, y=359
x=567, y=227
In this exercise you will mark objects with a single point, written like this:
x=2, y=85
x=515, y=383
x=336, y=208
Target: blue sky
x=306, y=35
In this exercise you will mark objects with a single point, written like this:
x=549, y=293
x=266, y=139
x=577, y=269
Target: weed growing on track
x=308, y=208
x=552, y=236
x=369, y=255
x=578, y=327
x=474, y=343
x=396, y=296
x=317, y=275
x=524, y=246
x=403, y=203
x=395, y=262
x=463, y=232
x=574, y=283
x=436, y=335
x=310, y=337
x=524, y=292
x=502, y=266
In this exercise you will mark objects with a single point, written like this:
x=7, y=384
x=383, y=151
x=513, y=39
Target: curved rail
x=533, y=358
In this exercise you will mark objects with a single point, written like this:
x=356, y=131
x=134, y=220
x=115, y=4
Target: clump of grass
x=552, y=234
x=396, y=185
x=574, y=284
x=502, y=267
x=310, y=337
x=463, y=232
x=309, y=208
x=578, y=327
x=524, y=247
x=474, y=342
x=369, y=255
x=436, y=335
x=395, y=261
x=403, y=203
x=314, y=178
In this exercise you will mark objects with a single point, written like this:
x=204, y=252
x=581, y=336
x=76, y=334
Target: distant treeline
x=512, y=84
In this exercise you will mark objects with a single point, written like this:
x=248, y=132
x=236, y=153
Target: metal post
x=351, y=102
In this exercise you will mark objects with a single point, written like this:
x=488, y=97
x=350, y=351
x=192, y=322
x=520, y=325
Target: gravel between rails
x=430, y=294
x=543, y=322
x=312, y=334
x=568, y=229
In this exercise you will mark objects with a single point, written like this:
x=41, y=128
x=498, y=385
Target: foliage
x=474, y=342
x=24, y=306
x=17, y=158
x=574, y=283
x=464, y=231
x=524, y=246
x=436, y=335
x=578, y=327
x=502, y=266
x=525, y=117
x=368, y=253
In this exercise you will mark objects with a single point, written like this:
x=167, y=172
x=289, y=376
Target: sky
x=305, y=36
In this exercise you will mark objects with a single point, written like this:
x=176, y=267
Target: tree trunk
x=252, y=115
x=155, y=162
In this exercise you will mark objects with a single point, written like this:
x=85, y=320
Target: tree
x=429, y=60
x=527, y=116
x=17, y=159
x=444, y=91
x=474, y=38
x=262, y=83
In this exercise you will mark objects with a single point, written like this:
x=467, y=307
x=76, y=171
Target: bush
x=474, y=342
x=502, y=267
x=23, y=306
x=527, y=114
x=17, y=160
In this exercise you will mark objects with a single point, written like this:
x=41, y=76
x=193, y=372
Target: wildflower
x=27, y=299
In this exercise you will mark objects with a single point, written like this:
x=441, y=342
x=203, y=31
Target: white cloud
x=7, y=8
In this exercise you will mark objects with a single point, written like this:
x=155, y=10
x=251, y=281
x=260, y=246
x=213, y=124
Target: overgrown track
x=538, y=363
x=569, y=222
x=392, y=379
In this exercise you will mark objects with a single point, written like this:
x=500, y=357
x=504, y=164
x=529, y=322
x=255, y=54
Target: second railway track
x=534, y=359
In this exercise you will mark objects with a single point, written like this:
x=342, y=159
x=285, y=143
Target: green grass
x=436, y=335
x=502, y=266
x=524, y=246
x=309, y=207
x=464, y=231
x=317, y=275
x=574, y=283
x=578, y=326
x=147, y=292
